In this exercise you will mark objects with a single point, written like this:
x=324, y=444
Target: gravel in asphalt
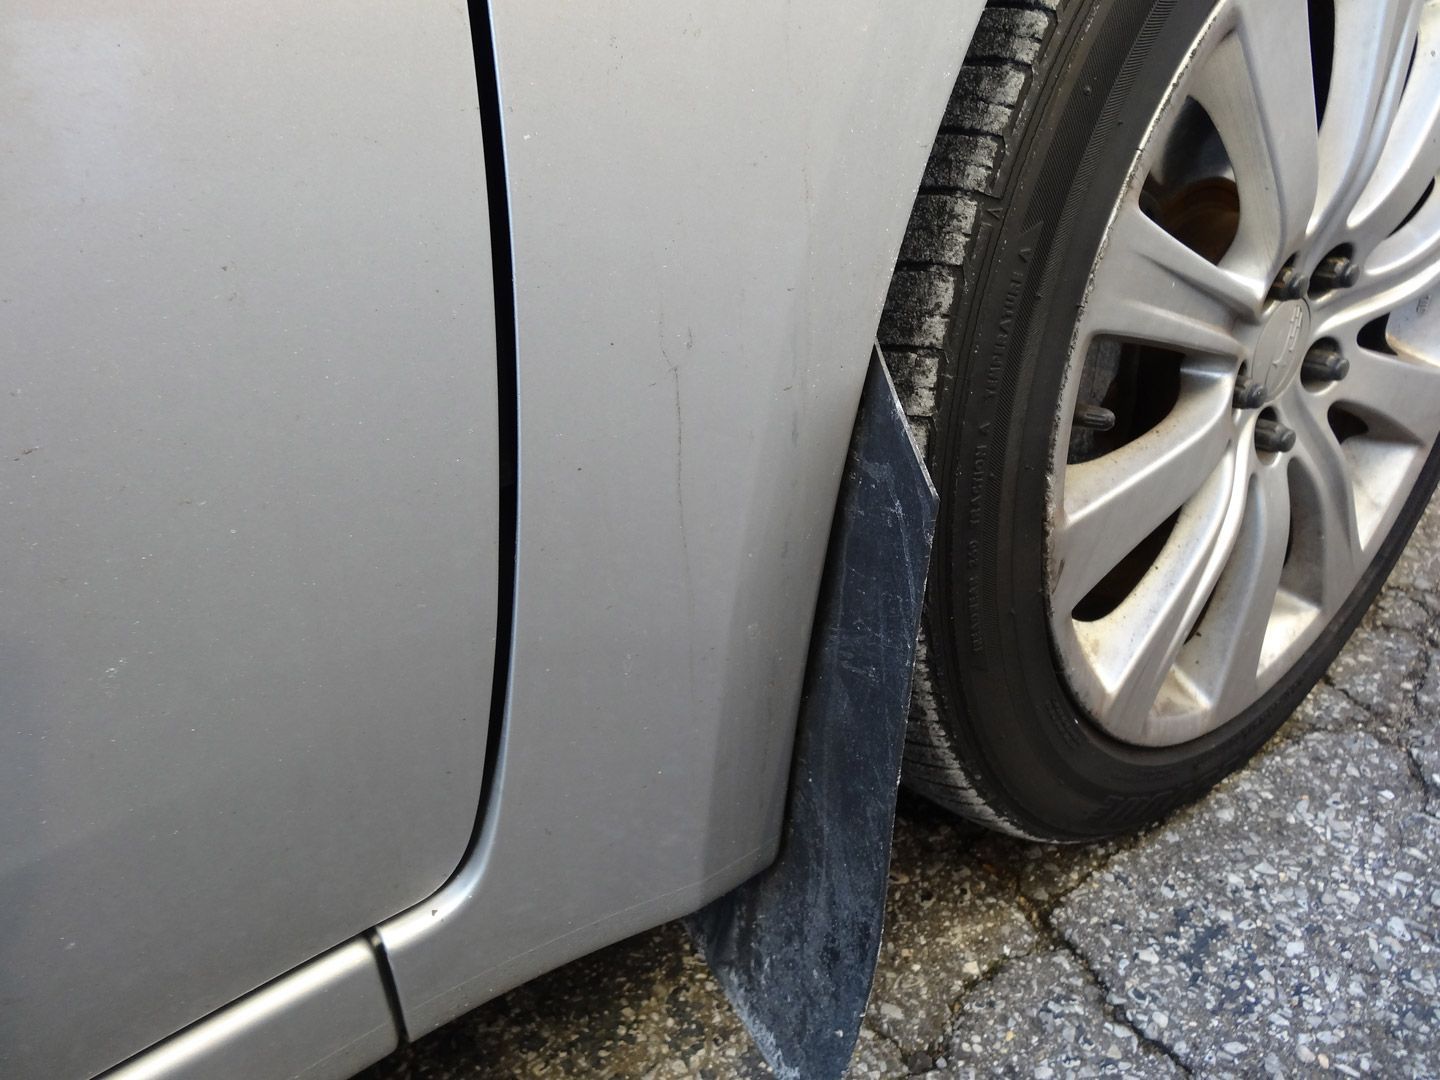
x=1287, y=924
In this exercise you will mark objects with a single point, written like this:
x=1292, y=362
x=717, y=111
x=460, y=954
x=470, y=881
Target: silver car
x=423, y=430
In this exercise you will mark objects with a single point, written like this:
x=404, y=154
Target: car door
x=249, y=498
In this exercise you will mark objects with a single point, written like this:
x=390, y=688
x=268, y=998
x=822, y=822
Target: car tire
x=1053, y=125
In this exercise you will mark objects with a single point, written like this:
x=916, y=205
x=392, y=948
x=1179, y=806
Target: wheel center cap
x=1280, y=346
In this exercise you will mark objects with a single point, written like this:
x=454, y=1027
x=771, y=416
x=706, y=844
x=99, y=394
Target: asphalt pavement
x=1288, y=924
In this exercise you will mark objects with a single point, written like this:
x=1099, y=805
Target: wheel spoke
x=1410, y=254
x=1223, y=659
x=1410, y=157
x=1134, y=647
x=1114, y=502
x=1404, y=266
x=1397, y=395
x=1257, y=89
x=1372, y=53
x=1151, y=288
x=1329, y=497
x=1401, y=270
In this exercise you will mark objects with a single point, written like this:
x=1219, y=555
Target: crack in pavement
x=1119, y=1013
x=1039, y=916
x=1403, y=738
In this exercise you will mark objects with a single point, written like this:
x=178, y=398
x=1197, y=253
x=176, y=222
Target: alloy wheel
x=1254, y=381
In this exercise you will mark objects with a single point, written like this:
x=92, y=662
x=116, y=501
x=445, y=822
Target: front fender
x=706, y=203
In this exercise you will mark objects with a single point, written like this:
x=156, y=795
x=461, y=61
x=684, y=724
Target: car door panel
x=250, y=483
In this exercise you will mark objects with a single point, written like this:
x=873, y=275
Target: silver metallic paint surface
x=325, y=1021
x=247, y=403
x=707, y=202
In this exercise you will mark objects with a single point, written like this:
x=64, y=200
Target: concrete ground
x=1287, y=924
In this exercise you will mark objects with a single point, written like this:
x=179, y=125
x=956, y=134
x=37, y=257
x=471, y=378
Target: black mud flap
x=795, y=947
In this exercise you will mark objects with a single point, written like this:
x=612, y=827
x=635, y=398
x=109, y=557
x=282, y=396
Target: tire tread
x=983, y=119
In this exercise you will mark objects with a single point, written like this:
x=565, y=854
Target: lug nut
x=1336, y=272
x=1094, y=417
x=1323, y=363
x=1274, y=437
x=1289, y=285
x=1249, y=394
